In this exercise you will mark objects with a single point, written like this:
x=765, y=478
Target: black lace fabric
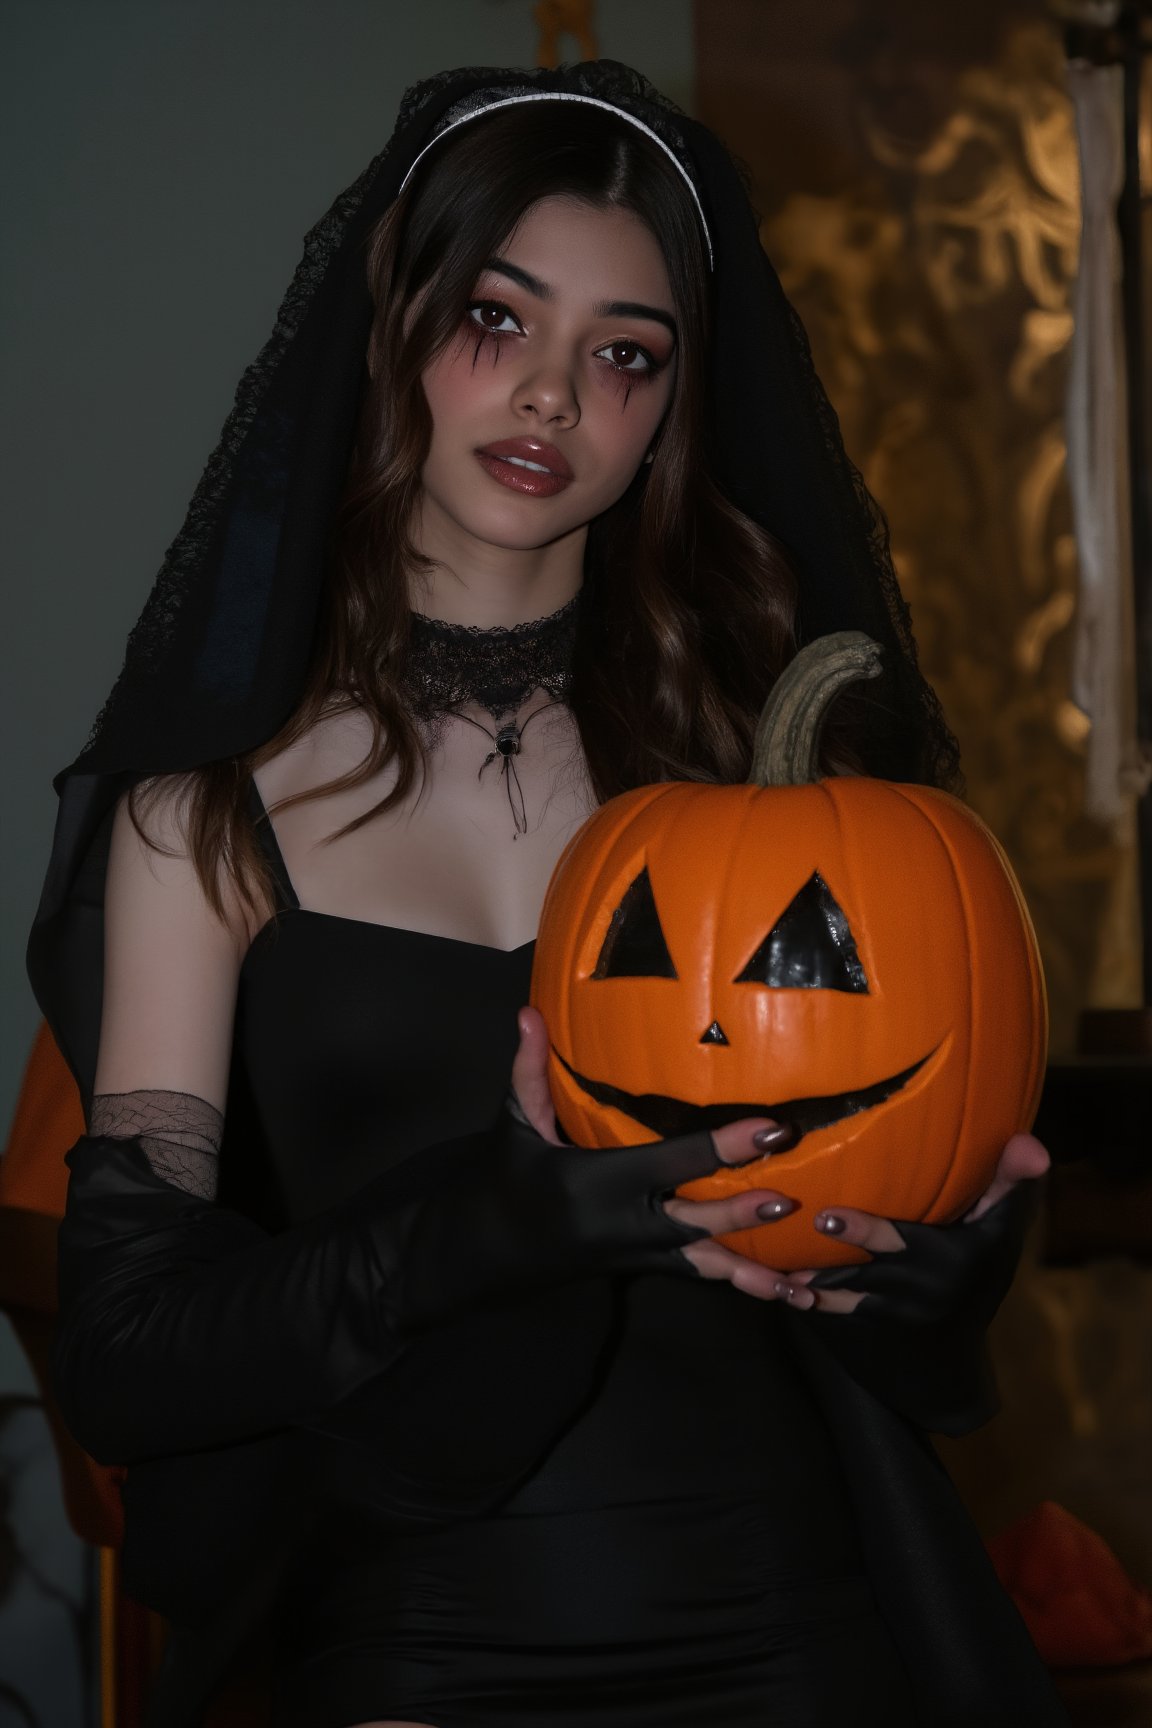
x=497, y=667
x=180, y=1134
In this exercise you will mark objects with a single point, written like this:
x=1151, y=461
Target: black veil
x=217, y=661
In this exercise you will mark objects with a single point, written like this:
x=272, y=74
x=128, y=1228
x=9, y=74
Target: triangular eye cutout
x=810, y=948
x=634, y=946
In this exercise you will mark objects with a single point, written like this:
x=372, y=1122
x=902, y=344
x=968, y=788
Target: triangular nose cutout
x=714, y=1035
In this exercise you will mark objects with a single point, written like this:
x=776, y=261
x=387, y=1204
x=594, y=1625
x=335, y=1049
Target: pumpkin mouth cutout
x=669, y=1117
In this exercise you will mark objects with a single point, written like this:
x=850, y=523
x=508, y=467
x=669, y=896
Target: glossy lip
x=671, y=1116
x=493, y=459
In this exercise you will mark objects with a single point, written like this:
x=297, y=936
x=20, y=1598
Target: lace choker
x=497, y=668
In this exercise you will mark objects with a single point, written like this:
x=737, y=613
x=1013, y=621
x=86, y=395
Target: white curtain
x=1104, y=671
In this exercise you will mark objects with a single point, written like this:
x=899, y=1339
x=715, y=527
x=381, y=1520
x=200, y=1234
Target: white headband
x=568, y=96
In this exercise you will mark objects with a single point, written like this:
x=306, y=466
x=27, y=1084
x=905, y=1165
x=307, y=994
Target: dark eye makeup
x=630, y=360
x=478, y=311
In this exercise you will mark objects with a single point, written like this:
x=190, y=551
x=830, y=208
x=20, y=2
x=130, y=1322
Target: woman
x=468, y=1426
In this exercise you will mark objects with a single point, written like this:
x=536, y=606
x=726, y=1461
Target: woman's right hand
x=737, y=1143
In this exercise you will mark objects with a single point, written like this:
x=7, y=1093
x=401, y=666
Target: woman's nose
x=548, y=391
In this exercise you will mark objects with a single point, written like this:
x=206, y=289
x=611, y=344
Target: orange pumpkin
x=850, y=956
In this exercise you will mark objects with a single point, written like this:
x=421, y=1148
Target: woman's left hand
x=925, y=1272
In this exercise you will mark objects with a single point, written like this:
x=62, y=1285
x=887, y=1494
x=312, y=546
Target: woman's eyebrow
x=514, y=273
x=634, y=309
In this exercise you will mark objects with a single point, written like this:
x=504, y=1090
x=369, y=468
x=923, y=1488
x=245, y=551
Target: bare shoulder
x=157, y=811
x=336, y=745
x=150, y=832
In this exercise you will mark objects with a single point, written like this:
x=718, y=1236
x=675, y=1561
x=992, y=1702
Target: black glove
x=185, y=1325
x=917, y=1340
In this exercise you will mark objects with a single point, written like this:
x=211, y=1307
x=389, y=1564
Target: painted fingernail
x=784, y=1291
x=775, y=1209
x=831, y=1224
x=772, y=1139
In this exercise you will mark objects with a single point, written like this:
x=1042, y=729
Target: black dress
x=684, y=1553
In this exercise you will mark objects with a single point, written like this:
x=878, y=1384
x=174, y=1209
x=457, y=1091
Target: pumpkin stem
x=787, y=744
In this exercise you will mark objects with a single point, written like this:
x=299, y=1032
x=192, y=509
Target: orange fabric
x=48, y=1122
x=1076, y=1599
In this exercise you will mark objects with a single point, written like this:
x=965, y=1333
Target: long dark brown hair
x=688, y=607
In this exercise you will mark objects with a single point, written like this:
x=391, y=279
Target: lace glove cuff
x=178, y=1133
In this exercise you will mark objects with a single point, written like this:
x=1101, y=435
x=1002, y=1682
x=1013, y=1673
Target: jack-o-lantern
x=850, y=956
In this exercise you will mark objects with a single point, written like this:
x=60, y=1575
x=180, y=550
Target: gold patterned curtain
x=917, y=172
